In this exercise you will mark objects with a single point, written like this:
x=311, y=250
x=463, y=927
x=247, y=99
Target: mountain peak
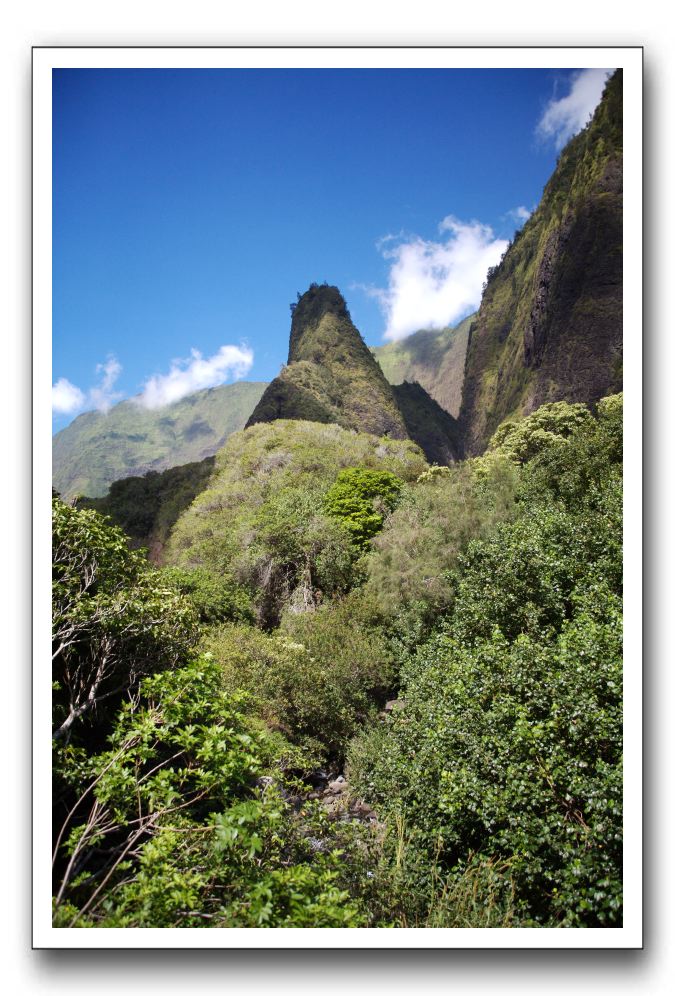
x=312, y=307
x=331, y=375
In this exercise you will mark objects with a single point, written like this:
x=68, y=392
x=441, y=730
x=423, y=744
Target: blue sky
x=189, y=207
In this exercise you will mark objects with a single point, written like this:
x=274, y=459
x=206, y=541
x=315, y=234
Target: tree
x=546, y=427
x=360, y=499
x=113, y=621
x=168, y=828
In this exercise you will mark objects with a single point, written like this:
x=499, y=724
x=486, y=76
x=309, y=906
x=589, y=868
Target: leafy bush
x=513, y=752
x=548, y=425
x=507, y=747
x=316, y=683
x=360, y=499
x=113, y=619
x=215, y=599
x=169, y=831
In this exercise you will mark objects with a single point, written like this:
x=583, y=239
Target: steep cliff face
x=434, y=358
x=331, y=375
x=549, y=327
x=434, y=430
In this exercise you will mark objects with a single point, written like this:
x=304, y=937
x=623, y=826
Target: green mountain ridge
x=333, y=377
x=433, y=358
x=549, y=327
x=97, y=449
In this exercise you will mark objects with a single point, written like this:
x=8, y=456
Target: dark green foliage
x=360, y=499
x=147, y=507
x=168, y=829
x=508, y=744
x=113, y=619
x=98, y=448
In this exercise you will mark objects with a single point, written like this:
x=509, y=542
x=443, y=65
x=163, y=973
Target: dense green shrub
x=507, y=747
x=168, y=829
x=316, y=682
x=360, y=499
x=513, y=752
x=215, y=599
x=113, y=620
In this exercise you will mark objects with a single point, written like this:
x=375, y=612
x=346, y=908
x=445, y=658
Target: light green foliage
x=435, y=520
x=262, y=519
x=113, y=619
x=98, y=448
x=508, y=745
x=169, y=831
x=547, y=426
x=360, y=499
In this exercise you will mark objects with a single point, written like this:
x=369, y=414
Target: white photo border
x=630, y=59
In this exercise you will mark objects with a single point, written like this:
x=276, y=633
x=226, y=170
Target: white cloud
x=195, y=374
x=66, y=398
x=434, y=284
x=566, y=116
x=102, y=397
x=518, y=214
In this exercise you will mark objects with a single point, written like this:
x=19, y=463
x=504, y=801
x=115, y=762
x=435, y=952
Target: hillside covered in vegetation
x=98, y=448
x=447, y=638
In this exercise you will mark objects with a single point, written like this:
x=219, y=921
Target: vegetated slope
x=147, y=507
x=97, y=449
x=432, y=428
x=549, y=327
x=331, y=375
x=433, y=358
x=262, y=522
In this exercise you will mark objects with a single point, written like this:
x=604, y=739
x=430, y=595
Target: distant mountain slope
x=549, y=327
x=331, y=375
x=97, y=449
x=433, y=358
